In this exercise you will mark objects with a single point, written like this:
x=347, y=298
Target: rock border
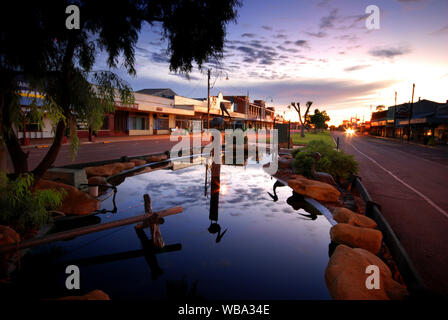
x=412, y=279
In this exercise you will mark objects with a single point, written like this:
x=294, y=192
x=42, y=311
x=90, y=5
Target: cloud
x=185, y=77
x=327, y=22
x=267, y=28
x=159, y=57
x=248, y=35
x=323, y=3
x=348, y=37
x=358, y=67
x=390, y=52
x=292, y=50
x=301, y=43
x=319, y=34
x=442, y=30
x=326, y=93
x=262, y=56
x=280, y=36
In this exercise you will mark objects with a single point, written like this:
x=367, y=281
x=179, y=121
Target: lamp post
x=410, y=112
x=208, y=99
x=395, y=114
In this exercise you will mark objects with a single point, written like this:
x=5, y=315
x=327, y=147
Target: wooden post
x=153, y=222
x=86, y=230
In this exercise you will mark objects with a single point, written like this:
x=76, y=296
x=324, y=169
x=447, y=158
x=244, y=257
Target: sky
x=321, y=51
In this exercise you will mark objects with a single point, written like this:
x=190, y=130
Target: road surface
x=89, y=152
x=410, y=182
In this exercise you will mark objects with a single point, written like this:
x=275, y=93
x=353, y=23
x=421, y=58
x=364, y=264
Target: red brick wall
x=100, y=133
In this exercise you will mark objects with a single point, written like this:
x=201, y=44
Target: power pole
x=208, y=99
x=410, y=112
x=395, y=114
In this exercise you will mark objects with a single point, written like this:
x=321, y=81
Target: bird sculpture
x=321, y=176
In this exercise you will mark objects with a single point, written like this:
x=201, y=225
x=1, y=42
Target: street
x=89, y=152
x=410, y=182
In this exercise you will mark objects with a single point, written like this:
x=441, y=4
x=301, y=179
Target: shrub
x=337, y=163
x=22, y=208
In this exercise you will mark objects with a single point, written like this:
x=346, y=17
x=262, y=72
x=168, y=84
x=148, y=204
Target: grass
x=310, y=136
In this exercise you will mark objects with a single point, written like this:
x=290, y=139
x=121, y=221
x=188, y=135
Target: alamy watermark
x=373, y=280
x=373, y=20
x=73, y=280
x=237, y=143
x=73, y=20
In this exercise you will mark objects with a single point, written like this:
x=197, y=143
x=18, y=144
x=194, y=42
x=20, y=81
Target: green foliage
x=337, y=163
x=22, y=208
x=318, y=119
x=295, y=151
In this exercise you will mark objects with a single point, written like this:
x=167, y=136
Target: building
x=378, y=123
x=160, y=111
x=252, y=115
x=421, y=121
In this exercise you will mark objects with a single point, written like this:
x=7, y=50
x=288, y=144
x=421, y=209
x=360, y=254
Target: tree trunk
x=52, y=153
x=302, y=131
x=3, y=158
x=18, y=157
x=3, y=150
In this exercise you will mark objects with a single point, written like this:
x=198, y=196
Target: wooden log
x=86, y=230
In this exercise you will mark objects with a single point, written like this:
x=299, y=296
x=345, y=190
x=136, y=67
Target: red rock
x=314, y=189
x=357, y=237
x=92, y=295
x=75, y=202
x=346, y=276
x=344, y=215
x=109, y=169
x=156, y=158
x=97, y=180
x=98, y=171
x=8, y=236
x=138, y=162
x=285, y=163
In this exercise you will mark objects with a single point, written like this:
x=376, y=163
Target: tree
x=62, y=60
x=302, y=120
x=319, y=119
x=380, y=107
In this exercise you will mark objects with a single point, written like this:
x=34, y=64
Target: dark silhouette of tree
x=38, y=49
x=319, y=119
x=305, y=116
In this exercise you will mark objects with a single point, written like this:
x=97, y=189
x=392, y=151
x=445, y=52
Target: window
x=161, y=122
x=32, y=127
x=138, y=123
x=105, y=125
x=82, y=126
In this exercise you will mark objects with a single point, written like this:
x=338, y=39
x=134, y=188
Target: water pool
x=232, y=241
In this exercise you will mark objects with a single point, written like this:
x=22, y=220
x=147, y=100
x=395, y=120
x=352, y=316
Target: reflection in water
x=117, y=261
x=274, y=188
x=179, y=290
x=214, y=202
x=298, y=202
